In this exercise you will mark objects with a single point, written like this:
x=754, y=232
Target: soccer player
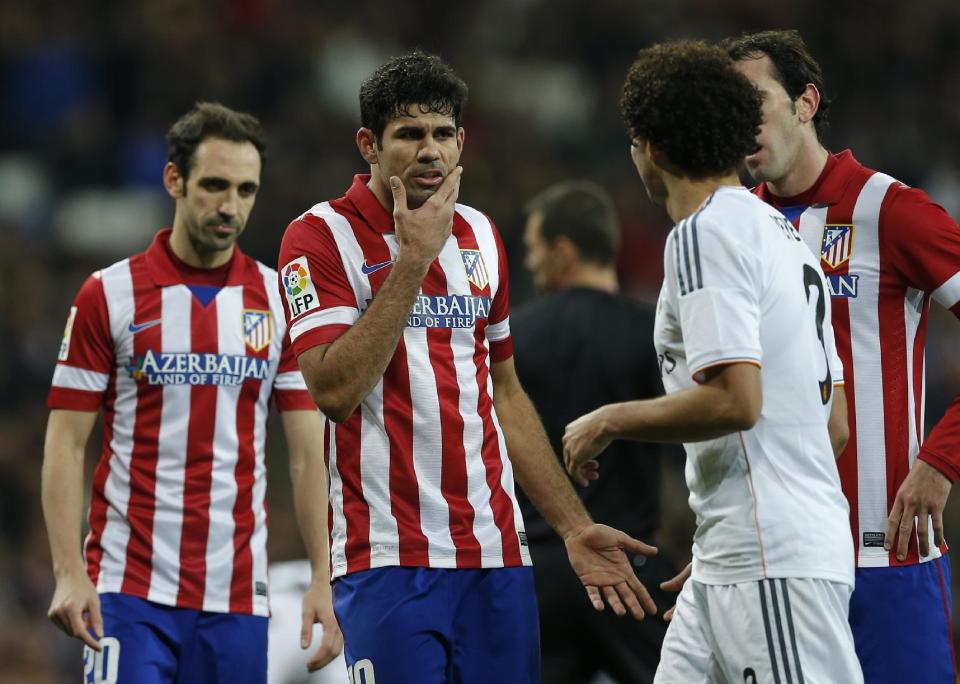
x=747, y=357
x=398, y=306
x=887, y=250
x=576, y=349
x=182, y=348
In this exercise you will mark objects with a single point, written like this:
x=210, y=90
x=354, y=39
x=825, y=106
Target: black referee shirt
x=576, y=350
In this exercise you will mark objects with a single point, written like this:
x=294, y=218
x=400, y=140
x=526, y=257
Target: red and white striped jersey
x=419, y=474
x=886, y=250
x=183, y=371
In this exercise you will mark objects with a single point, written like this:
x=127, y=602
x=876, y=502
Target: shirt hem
x=448, y=563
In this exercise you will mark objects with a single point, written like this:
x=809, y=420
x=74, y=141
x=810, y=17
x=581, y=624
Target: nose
x=228, y=206
x=429, y=150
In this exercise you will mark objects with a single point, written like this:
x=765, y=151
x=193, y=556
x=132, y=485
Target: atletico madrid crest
x=257, y=328
x=837, y=244
x=475, y=268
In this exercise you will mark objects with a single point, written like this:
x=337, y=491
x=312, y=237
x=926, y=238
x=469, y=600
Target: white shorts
x=286, y=661
x=781, y=631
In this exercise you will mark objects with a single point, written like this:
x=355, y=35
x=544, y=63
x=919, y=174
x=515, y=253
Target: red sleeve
x=319, y=302
x=925, y=247
x=941, y=449
x=498, y=327
x=289, y=389
x=86, y=357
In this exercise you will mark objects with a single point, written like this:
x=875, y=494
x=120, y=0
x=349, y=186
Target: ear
x=173, y=181
x=807, y=103
x=565, y=252
x=367, y=144
x=460, y=136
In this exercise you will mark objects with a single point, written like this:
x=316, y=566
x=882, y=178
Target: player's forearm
x=355, y=361
x=308, y=477
x=691, y=415
x=536, y=467
x=61, y=493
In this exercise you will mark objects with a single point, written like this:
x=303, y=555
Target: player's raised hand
x=317, y=607
x=423, y=231
x=583, y=440
x=675, y=584
x=922, y=495
x=598, y=555
x=75, y=609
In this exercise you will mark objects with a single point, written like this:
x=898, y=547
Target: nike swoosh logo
x=137, y=327
x=373, y=268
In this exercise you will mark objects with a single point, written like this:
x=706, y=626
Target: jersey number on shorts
x=102, y=667
x=361, y=672
x=811, y=279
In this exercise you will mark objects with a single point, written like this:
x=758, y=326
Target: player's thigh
x=139, y=643
x=286, y=661
x=687, y=655
x=396, y=624
x=496, y=634
x=901, y=622
x=228, y=647
x=783, y=630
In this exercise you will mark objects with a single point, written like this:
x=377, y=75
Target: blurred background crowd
x=88, y=89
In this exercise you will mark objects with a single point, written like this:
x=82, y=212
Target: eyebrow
x=413, y=128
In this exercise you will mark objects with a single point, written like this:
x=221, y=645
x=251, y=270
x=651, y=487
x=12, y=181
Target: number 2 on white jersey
x=812, y=282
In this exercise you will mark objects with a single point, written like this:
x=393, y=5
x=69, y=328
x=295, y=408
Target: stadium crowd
x=87, y=91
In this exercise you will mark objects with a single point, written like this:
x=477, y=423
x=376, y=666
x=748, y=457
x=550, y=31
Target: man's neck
x=684, y=195
x=804, y=172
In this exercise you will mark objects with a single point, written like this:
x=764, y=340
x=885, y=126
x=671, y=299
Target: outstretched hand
x=598, y=555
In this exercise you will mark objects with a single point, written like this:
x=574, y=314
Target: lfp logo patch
x=837, y=244
x=257, y=328
x=475, y=267
x=298, y=287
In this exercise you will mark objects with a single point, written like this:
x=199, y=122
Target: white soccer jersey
x=740, y=286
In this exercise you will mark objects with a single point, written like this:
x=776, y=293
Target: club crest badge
x=837, y=244
x=475, y=267
x=257, y=328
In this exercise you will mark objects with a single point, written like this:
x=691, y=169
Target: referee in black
x=579, y=346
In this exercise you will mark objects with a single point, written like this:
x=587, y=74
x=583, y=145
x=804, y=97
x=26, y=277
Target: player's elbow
x=335, y=407
x=740, y=413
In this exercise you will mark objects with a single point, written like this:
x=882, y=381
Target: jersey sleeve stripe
x=499, y=331
x=337, y=315
x=292, y=380
x=676, y=246
x=696, y=249
x=948, y=294
x=684, y=230
x=80, y=379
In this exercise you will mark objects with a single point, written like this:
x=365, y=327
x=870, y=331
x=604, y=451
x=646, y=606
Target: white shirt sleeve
x=718, y=281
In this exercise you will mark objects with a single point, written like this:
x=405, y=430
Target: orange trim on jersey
x=723, y=362
x=753, y=497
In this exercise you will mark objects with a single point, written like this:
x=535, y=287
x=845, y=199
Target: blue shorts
x=434, y=625
x=150, y=643
x=901, y=620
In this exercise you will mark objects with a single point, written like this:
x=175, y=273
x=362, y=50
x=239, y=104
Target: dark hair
x=413, y=79
x=793, y=65
x=210, y=120
x=687, y=100
x=582, y=212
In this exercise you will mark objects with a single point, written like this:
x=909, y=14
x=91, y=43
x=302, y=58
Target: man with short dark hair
x=749, y=366
x=887, y=250
x=578, y=347
x=182, y=348
x=398, y=306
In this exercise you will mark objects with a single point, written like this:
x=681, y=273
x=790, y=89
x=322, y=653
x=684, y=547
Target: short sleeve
x=289, y=388
x=717, y=286
x=924, y=243
x=86, y=357
x=318, y=302
x=830, y=341
x=498, y=327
